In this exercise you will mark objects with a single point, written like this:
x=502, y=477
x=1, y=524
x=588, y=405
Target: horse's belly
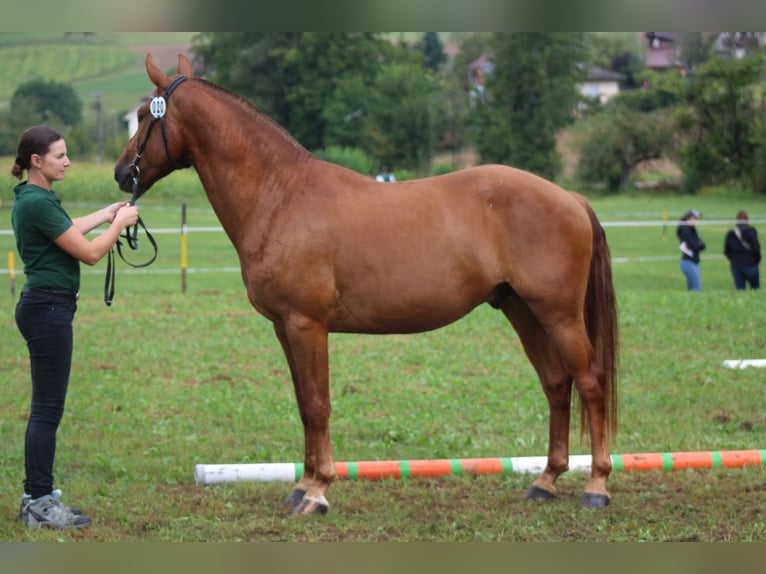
x=396, y=308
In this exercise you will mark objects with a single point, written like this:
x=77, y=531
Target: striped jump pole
x=378, y=470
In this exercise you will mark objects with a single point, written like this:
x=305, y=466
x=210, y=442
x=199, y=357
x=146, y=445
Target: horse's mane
x=257, y=113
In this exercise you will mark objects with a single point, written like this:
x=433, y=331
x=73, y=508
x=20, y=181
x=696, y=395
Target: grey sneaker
x=48, y=512
x=25, y=504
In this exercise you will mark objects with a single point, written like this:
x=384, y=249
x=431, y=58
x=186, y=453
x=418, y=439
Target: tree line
x=364, y=100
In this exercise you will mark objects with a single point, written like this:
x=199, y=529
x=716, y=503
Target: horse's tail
x=601, y=320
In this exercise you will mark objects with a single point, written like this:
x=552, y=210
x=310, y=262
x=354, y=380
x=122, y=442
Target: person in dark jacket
x=691, y=245
x=743, y=251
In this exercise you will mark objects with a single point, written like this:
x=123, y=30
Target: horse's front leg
x=305, y=347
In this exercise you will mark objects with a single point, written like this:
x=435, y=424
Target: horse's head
x=154, y=150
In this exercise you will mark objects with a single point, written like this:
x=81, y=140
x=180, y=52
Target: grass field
x=164, y=380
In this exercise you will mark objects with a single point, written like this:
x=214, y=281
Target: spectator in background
x=385, y=175
x=691, y=245
x=743, y=251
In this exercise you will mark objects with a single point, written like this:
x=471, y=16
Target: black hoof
x=308, y=506
x=537, y=493
x=593, y=500
x=296, y=497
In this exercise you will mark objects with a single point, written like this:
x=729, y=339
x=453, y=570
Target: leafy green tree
x=720, y=144
x=758, y=138
x=402, y=108
x=352, y=158
x=292, y=76
x=695, y=49
x=248, y=64
x=53, y=102
x=532, y=92
x=619, y=139
x=346, y=112
x=314, y=66
x=13, y=122
x=659, y=90
x=433, y=51
x=453, y=121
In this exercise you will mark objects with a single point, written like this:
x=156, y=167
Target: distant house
x=739, y=44
x=662, y=51
x=601, y=84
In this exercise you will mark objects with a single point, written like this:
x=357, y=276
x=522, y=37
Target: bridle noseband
x=157, y=107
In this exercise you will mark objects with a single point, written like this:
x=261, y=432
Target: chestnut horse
x=325, y=249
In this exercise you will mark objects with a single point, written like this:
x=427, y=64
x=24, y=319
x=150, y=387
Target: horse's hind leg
x=562, y=353
x=307, y=356
x=557, y=386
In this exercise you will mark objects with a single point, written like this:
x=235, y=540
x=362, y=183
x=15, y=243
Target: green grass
x=163, y=381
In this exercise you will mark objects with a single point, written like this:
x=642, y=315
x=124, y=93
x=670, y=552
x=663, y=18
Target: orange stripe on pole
x=737, y=458
x=428, y=468
x=645, y=461
x=692, y=460
x=372, y=470
x=482, y=466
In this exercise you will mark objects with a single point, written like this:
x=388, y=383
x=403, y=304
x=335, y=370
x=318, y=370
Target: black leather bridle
x=158, y=107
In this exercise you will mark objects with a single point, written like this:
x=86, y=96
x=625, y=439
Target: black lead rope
x=130, y=237
x=111, y=263
x=157, y=107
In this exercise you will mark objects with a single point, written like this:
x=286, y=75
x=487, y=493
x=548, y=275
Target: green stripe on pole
x=507, y=465
x=763, y=456
x=667, y=461
x=298, y=471
x=404, y=469
x=353, y=470
x=456, y=466
x=617, y=464
x=717, y=459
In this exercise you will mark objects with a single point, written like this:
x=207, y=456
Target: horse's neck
x=246, y=166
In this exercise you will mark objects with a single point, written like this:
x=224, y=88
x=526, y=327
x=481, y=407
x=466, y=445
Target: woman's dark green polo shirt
x=38, y=219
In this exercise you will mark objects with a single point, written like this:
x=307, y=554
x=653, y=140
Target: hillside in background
x=110, y=64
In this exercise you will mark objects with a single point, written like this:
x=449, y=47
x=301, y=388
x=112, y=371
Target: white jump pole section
x=743, y=363
x=268, y=472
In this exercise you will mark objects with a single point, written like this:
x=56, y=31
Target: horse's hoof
x=312, y=506
x=593, y=500
x=537, y=493
x=295, y=498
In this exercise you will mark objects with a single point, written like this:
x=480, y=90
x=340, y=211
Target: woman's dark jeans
x=746, y=275
x=45, y=320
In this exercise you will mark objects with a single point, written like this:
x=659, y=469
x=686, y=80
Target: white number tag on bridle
x=158, y=106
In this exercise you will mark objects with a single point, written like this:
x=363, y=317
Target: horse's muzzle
x=124, y=177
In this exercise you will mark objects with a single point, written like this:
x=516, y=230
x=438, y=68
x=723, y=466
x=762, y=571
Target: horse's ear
x=184, y=66
x=156, y=75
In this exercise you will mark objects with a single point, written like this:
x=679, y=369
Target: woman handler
x=51, y=245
